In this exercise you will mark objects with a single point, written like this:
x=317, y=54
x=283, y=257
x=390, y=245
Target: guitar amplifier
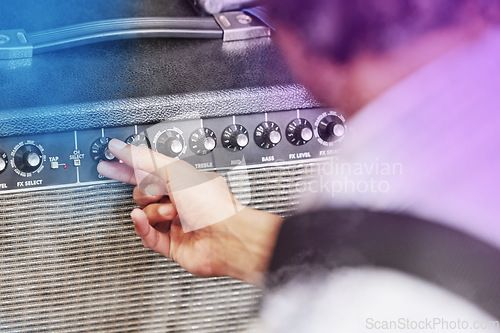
x=69, y=258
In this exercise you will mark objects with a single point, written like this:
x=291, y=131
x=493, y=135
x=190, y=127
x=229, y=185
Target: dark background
x=136, y=81
x=127, y=68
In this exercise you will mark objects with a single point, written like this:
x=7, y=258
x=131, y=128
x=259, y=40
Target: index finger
x=139, y=158
x=175, y=173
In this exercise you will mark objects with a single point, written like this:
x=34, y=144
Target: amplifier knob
x=330, y=128
x=299, y=132
x=99, y=150
x=202, y=141
x=139, y=140
x=235, y=137
x=267, y=135
x=4, y=160
x=169, y=142
x=28, y=158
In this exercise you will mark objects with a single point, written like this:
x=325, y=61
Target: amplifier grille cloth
x=70, y=262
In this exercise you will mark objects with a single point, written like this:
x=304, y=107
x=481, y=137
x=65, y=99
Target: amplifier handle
x=17, y=44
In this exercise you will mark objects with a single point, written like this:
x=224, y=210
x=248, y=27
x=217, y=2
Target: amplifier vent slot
x=70, y=262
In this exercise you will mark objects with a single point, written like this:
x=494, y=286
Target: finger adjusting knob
x=99, y=150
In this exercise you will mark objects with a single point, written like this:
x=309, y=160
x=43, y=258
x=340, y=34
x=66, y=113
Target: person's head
x=336, y=47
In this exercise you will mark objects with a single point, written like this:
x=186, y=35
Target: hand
x=192, y=217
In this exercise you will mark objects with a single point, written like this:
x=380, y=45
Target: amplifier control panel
x=70, y=158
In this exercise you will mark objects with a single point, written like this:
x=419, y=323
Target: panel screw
x=244, y=19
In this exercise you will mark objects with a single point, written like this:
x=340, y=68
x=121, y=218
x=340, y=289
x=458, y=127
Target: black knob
x=299, y=132
x=331, y=128
x=139, y=140
x=202, y=141
x=170, y=143
x=99, y=150
x=4, y=161
x=28, y=158
x=235, y=137
x=267, y=135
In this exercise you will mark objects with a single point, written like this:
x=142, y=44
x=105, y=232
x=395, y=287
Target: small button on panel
x=70, y=158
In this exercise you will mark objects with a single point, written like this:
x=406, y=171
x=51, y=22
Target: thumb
x=151, y=238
